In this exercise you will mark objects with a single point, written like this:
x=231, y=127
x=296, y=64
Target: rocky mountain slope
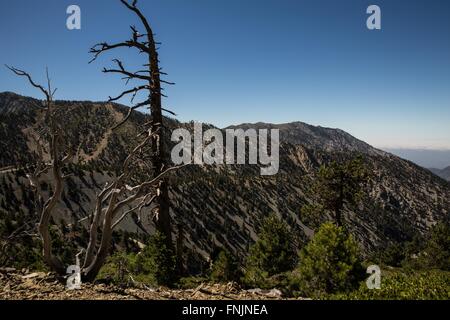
x=320, y=138
x=219, y=206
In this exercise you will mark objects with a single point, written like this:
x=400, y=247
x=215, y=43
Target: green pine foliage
x=157, y=262
x=329, y=263
x=403, y=285
x=225, y=268
x=119, y=269
x=437, y=252
x=393, y=255
x=272, y=254
x=154, y=265
x=431, y=252
x=340, y=184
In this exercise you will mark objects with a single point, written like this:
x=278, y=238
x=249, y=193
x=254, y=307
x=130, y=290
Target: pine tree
x=339, y=184
x=330, y=262
x=272, y=254
x=437, y=251
x=157, y=261
x=224, y=268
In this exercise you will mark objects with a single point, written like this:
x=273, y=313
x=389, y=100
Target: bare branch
x=100, y=48
x=130, y=111
x=171, y=112
x=158, y=177
x=129, y=75
x=134, y=91
x=56, y=164
x=115, y=224
x=149, y=147
x=22, y=73
x=167, y=82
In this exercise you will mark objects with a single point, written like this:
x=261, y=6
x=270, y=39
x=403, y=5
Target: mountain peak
x=315, y=137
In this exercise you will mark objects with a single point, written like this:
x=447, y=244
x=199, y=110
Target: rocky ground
x=23, y=285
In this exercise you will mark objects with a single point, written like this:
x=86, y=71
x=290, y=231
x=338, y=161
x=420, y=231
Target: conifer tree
x=273, y=253
x=330, y=262
x=341, y=184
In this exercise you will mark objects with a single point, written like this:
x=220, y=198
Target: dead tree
x=110, y=209
x=49, y=142
x=152, y=192
x=130, y=190
x=150, y=76
x=111, y=202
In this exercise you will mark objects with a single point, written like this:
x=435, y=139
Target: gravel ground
x=22, y=285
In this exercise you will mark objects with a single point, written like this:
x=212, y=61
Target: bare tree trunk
x=152, y=76
x=57, y=161
x=44, y=223
x=90, y=252
x=162, y=218
x=139, y=193
x=99, y=260
x=154, y=191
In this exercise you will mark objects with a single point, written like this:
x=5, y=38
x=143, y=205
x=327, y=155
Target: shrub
x=156, y=263
x=400, y=285
x=431, y=253
x=118, y=269
x=437, y=251
x=329, y=263
x=224, y=268
x=392, y=255
x=272, y=254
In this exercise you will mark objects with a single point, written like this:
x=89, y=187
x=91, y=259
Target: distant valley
x=427, y=158
x=443, y=173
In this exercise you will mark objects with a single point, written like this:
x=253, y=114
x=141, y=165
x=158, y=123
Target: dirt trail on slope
x=104, y=142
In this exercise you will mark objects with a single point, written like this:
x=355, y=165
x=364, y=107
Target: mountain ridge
x=443, y=173
x=223, y=206
x=298, y=132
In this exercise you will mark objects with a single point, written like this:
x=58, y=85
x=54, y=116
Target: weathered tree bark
x=57, y=161
x=146, y=44
x=116, y=195
x=140, y=194
x=91, y=271
x=90, y=251
x=44, y=223
x=162, y=218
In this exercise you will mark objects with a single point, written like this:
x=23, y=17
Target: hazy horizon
x=427, y=158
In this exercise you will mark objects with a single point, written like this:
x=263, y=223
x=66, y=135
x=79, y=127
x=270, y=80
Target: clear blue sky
x=240, y=61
